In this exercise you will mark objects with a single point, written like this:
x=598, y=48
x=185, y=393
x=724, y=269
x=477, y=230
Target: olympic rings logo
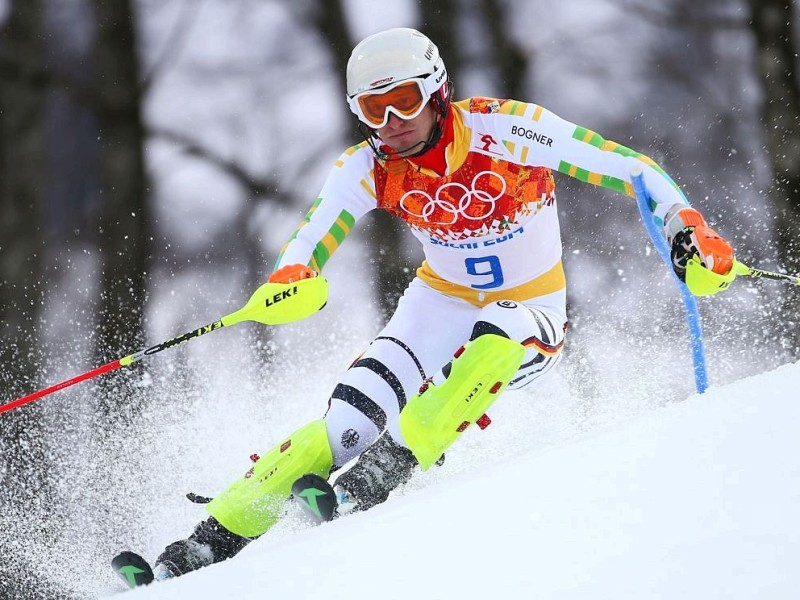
x=482, y=199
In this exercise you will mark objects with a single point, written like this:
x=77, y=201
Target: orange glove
x=693, y=237
x=292, y=273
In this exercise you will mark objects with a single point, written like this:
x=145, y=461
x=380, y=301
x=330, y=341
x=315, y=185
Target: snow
x=622, y=486
x=696, y=499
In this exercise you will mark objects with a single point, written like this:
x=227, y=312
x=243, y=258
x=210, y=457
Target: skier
x=486, y=310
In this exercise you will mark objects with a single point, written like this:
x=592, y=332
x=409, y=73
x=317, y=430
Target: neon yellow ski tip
x=279, y=303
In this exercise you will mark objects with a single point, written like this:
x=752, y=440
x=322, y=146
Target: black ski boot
x=383, y=467
x=210, y=543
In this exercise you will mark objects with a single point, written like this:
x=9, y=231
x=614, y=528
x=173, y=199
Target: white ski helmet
x=387, y=60
x=391, y=56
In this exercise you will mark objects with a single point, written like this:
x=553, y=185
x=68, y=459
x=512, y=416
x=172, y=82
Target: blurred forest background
x=156, y=154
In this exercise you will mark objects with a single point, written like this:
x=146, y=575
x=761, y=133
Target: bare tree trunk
x=124, y=217
x=21, y=243
x=509, y=59
x=439, y=23
x=26, y=491
x=777, y=51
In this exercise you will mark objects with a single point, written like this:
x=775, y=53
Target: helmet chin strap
x=374, y=141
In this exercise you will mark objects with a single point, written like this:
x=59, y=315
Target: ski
x=316, y=497
x=132, y=568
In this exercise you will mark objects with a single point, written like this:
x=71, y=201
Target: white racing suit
x=490, y=232
x=489, y=229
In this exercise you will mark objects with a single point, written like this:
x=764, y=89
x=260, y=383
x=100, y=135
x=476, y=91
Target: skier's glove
x=292, y=293
x=695, y=246
x=292, y=273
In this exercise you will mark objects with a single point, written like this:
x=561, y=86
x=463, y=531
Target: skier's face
x=405, y=136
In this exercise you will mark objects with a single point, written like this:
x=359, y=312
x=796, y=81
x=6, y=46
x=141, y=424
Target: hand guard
x=690, y=236
x=292, y=273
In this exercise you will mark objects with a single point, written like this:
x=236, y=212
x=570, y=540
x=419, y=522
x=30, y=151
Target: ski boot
x=380, y=469
x=383, y=467
x=209, y=543
x=253, y=504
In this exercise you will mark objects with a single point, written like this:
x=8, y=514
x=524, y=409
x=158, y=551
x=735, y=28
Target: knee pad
x=433, y=419
x=538, y=332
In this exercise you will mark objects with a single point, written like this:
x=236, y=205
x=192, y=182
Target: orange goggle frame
x=405, y=99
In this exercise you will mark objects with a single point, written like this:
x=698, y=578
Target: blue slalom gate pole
x=689, y=302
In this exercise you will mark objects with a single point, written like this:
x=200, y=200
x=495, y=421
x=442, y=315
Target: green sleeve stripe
x=348, y=219
x=338, y=233
x=590, y=137
x=320, y=255
x=311, y=210
x=331, y=241
x=297, y=229
x=614, y=183
x=302, y=224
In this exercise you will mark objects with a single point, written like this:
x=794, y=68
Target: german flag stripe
x=542, y=347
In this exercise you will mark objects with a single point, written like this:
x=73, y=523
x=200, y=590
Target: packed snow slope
x=698, y=499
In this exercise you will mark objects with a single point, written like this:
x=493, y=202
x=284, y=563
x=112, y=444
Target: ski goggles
x=405, y=99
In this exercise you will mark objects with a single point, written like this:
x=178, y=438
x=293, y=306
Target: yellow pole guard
x=279, y=303
x=705, y=282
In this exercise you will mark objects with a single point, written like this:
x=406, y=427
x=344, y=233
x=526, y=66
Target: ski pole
x=689, y=302
x=743, y=269
x=270, y=304
x=704, y=282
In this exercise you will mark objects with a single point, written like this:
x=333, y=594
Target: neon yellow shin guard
x=433, y=419
x=254, y=503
